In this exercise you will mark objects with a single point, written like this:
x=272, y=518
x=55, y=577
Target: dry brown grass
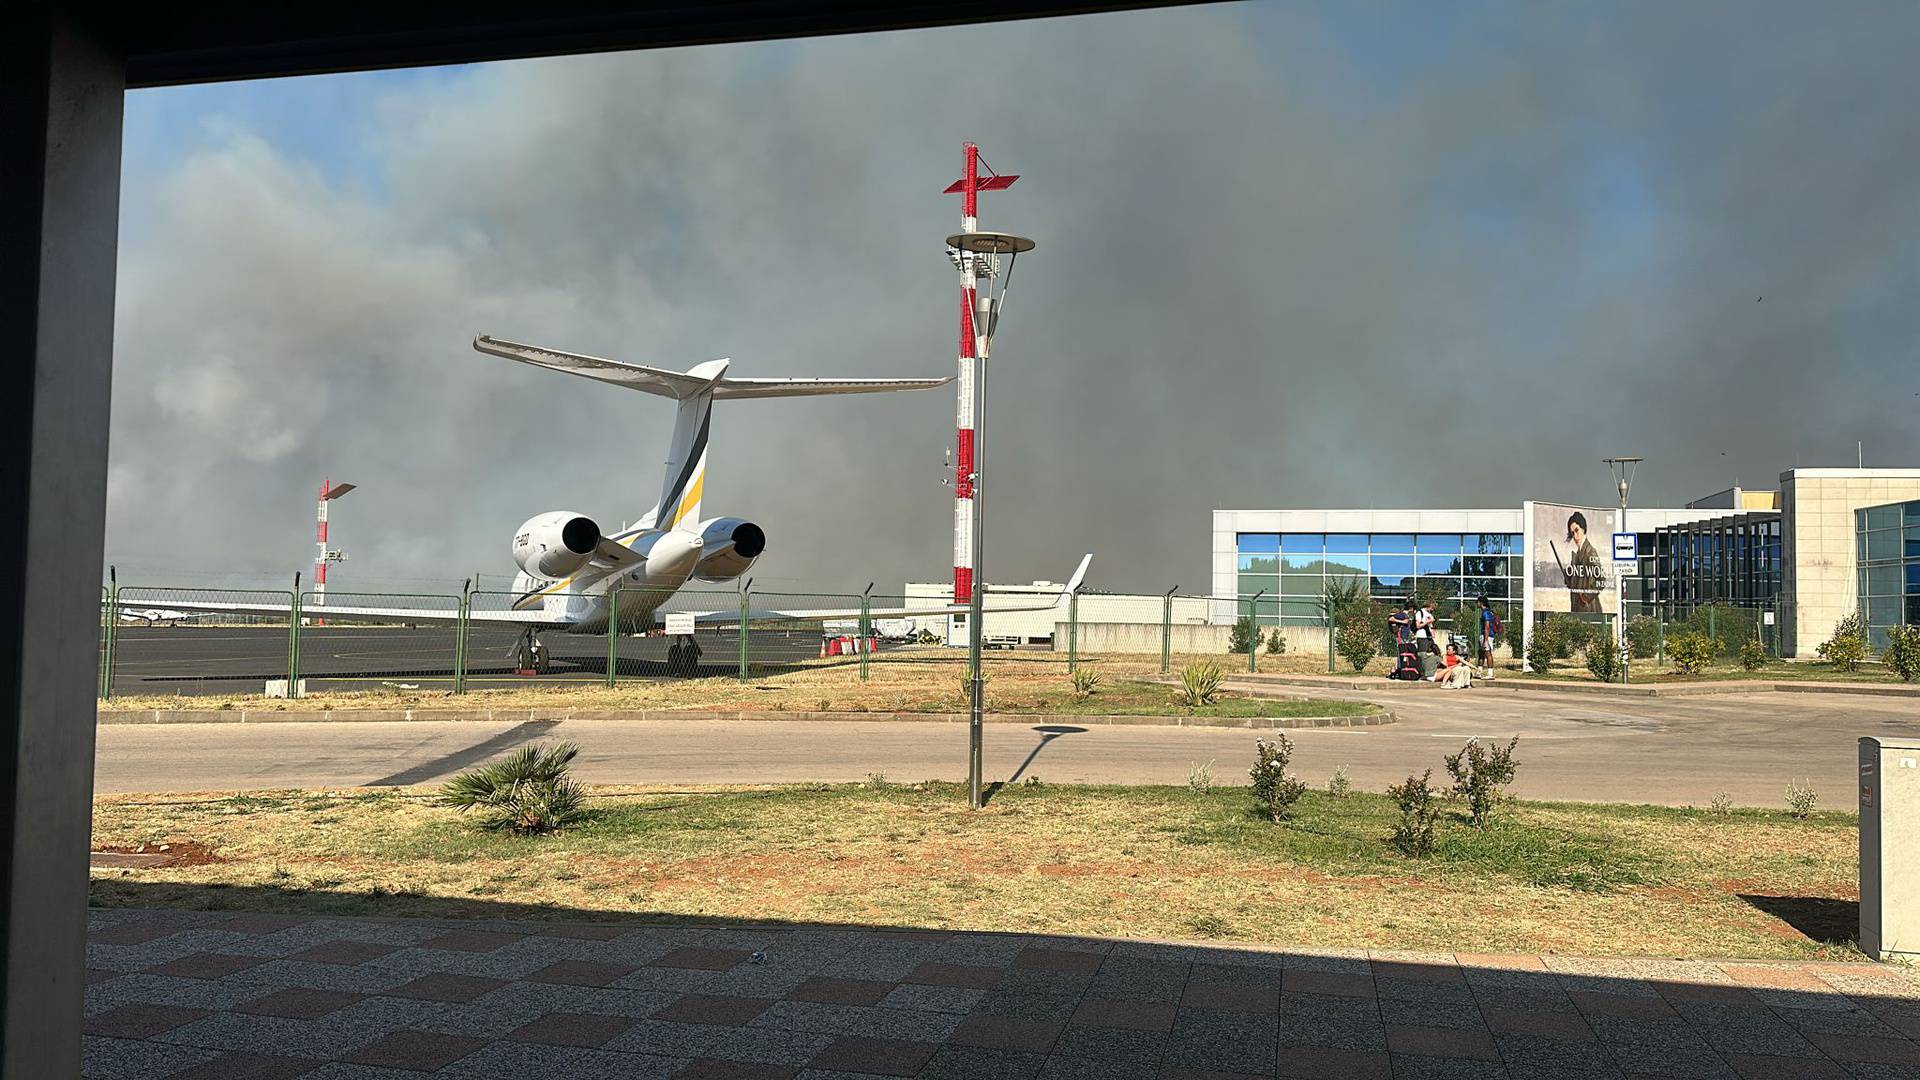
x=1155, y=862
x=906, y=680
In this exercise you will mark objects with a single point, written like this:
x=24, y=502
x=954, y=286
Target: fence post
x=1660, y=650
x=1073, y=631
x=1713, y=627
x=866, y=629
x=113, y=626
x=613, y=635
x=1253, y=627
x=1166, y=631
x=745, y=611
x=293, y=640
x=460, y=638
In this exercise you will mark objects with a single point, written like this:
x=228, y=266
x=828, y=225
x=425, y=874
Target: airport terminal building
x=1827, y=543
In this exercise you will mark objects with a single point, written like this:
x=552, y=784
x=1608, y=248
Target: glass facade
x=1730, y=560
x=1289, y=572
x=1888, y=558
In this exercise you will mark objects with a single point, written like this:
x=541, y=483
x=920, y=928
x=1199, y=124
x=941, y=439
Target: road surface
x=1659, y=750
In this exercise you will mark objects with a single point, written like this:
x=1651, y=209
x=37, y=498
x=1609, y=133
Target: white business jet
x=569, y=568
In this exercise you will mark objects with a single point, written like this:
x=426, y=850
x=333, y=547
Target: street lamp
x=985, y=248
x=1622, y=468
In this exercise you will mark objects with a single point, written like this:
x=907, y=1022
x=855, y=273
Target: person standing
x=1424, y=625
x=1401, y=623
x=1489, y=635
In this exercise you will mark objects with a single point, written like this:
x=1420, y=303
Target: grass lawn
x=1141, y=862
x=1651, y=671
x=906, y=681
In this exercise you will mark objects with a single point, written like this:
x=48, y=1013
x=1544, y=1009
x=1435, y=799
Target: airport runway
x=241, y=659
x=1674, y=751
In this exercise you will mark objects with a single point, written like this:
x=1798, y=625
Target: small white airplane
x=154, y=616
x=569, y=569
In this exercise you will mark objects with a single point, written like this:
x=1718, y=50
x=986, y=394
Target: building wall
x=1818, y=543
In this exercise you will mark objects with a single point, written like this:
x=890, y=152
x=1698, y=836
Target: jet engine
x=730, y=545
x=555, y=545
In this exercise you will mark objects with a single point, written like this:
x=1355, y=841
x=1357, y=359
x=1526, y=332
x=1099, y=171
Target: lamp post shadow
x=1048, y=733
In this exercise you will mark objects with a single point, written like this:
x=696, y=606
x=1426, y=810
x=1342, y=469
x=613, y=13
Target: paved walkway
x=208, y=995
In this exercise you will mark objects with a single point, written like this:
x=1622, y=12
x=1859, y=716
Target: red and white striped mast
x=325, y=555
x=969, y=187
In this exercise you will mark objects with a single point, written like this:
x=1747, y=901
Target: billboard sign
x=1566, y=569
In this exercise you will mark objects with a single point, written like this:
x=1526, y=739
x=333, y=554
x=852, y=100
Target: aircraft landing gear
x=530, y=655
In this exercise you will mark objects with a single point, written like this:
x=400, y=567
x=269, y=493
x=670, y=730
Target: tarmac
x=1675, y=751
x=240, y=660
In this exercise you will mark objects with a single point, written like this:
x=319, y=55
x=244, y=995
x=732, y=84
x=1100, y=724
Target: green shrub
x=1085, y=682
x=1413, y=834
x=1479, y=773
x=1543, y=647
x=1848, y=646
x=1753, y=655
x=1273, y=789
x=1200, y=777
x=1572, y=635
x=1243, y=636
x=1516, y=633
x=1903, y=652
x=1338, y=785
x=1643, y=637
x=1340, y=595
x=1359, y=636
x=529, y=791
x=1691, y=651
x=1276, y=643
x=1199, y=684
x=1800, y=799
x=1603, y=659
x=1727, y=626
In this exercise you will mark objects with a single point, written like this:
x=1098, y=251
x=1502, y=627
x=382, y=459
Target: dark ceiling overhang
x=167, y=44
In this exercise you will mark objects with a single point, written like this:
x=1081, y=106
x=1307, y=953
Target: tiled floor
x=200, y=996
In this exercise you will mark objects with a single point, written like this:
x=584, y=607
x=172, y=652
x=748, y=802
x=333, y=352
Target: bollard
x=1889, y=856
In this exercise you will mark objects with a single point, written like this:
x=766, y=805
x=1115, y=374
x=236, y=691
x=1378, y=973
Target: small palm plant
x=1199, y=684
x=528, y=792
x=1085, y=682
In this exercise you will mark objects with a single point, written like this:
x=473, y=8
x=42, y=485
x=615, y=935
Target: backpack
x=1497, y=628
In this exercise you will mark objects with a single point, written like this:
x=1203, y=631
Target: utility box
x=1890, y=848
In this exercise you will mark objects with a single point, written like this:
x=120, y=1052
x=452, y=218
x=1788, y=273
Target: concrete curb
x=1254, y=682
x=348, y=716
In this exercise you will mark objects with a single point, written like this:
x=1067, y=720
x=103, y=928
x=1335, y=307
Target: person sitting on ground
x=1457, y=674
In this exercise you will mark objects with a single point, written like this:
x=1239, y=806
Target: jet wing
x=729, y=619
x=429, y=616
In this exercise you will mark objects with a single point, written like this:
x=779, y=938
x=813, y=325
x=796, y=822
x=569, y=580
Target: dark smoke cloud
x=1339, y=256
